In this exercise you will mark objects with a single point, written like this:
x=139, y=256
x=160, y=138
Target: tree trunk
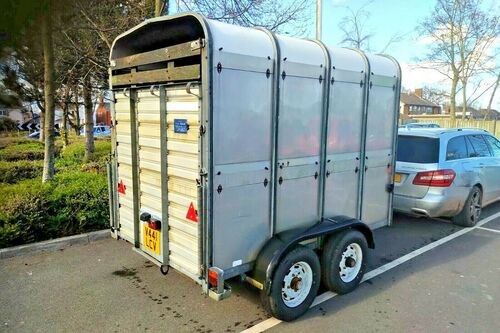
x=49, y=90
x=491, y=98
x=65, y=119
x=41, y=123
x=464, y=97
x=77, y=110
x=453, y=103
x=161, y=7
x=89, y=121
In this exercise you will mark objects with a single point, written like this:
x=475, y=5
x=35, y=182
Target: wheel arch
x=280, y=244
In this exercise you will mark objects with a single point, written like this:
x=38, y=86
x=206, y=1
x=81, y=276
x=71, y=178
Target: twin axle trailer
x=238, y=152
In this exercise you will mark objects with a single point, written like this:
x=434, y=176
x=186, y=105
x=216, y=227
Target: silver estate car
x=446, y=173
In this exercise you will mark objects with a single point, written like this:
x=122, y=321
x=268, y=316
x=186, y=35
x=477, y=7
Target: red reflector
x=439, y=178
x=154, y=224
x=121, y=187
x=212, y=278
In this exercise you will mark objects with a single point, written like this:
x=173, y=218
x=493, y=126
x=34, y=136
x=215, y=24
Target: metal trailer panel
x=182, y=172
x=123, y=157
x=149, y=162
x=344, y=138
x=302, y=66
x=241, y=123
x=380, y=132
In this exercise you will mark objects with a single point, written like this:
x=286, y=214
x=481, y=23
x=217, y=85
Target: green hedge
x=13, y=172
x=22, y=150
x=74, y=202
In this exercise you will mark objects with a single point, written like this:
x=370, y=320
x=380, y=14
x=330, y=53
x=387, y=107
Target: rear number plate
x=151, y=239
x=397, y=178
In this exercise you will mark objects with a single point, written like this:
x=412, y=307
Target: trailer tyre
x=294, y=285
x=344, y=261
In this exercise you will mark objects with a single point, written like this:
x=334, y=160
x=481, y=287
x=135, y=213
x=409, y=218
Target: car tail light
x=213, y=277
x=439, y=178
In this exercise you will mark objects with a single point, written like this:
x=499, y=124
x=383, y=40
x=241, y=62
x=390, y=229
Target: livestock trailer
x=239, y=152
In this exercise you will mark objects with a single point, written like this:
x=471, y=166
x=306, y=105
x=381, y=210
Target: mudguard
x=277, y=247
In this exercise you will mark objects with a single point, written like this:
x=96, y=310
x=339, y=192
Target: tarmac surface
x=106, y=287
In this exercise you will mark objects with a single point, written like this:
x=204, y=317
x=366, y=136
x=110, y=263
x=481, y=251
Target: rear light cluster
x=439, y=178
x=213, y=278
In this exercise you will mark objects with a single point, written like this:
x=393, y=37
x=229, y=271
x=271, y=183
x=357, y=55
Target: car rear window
x=417, y=149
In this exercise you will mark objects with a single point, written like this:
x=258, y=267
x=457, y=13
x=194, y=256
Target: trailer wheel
x=294, y=285
x=344, y=261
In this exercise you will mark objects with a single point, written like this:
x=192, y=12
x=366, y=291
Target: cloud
x=414, y=76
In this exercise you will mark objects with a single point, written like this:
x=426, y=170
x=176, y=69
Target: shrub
x=73, y=156
x=74, y=202
x=79, y=202
x=13, y=172
x=7, y=124
x=30, y=150
x=23, y=217
x=11, y=140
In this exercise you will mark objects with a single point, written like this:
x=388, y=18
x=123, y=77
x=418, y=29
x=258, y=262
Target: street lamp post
x=319, y=14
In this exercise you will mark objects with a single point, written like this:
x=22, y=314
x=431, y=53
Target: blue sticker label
x=181, y=126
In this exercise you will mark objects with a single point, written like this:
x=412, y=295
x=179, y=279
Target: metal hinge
x=197, y=44
x=219, y=67
x=203, y=172
x=219, y=188
x=266, y=182
x=202, y=129
x=283, y=75
x=268, y=73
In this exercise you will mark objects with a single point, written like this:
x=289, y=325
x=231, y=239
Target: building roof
x=412, y=99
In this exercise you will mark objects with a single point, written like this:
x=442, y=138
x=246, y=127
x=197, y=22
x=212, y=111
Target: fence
x=492, y=126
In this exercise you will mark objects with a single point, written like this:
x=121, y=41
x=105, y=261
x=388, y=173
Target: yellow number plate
x=397, y=178
x=151, y=238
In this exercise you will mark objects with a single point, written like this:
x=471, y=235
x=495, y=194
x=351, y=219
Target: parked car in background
x=419, y=125
x=36, y=134
x=446, y=173
x=99, y=130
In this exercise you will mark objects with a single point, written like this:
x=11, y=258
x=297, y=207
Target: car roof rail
x=473, y=128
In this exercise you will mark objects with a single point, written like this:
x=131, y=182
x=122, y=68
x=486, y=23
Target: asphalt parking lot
x=107, y=287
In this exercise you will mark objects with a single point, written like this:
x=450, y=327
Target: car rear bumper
x=437, y=202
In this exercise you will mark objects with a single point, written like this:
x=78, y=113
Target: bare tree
x=458, y=41
x=435, y=95
x=475, y=34
x=490, y=102
x=292, y=17
x=354, y=29
x=356, y=33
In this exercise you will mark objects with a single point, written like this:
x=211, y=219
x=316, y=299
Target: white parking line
x=488, y=229
x=268, y=323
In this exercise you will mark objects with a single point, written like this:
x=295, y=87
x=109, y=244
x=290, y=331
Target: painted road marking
x=271, y=322
x=488, y=229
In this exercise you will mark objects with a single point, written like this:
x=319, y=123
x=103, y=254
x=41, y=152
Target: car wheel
x=294, y=285
x=471, y=212
x=344, y=261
